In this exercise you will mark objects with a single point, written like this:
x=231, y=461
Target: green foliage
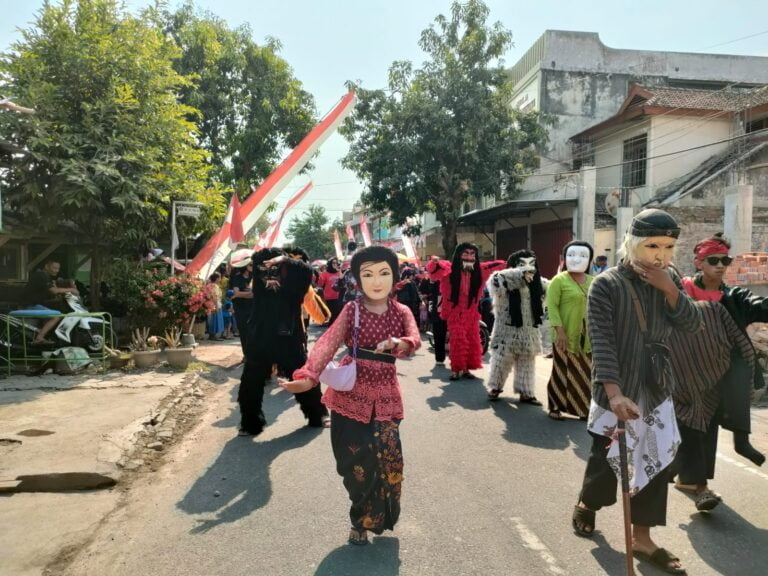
x=446, y=132
x=110, y=146
x=313, y=233
x=251, y=106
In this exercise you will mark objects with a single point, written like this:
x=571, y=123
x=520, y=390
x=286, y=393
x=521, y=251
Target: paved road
x=489, y=489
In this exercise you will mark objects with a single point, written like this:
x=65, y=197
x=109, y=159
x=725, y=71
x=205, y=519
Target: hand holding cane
x=625, y=496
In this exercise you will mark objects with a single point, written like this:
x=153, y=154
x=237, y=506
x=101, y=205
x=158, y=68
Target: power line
x=736, y=40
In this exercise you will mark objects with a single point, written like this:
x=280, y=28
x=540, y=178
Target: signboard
x=193, y=211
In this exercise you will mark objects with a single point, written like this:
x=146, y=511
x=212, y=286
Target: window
x=583, y=154
x=10, y=262
x=634, y=167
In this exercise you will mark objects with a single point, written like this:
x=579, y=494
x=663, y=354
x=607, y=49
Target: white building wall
x=672, y=134
x=609, y=151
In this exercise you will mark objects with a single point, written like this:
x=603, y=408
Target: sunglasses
x=715, y=260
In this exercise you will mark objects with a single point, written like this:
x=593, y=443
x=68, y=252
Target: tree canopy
x=109, y=146
x=251, y=106
x=313, y=232
x=445, y=132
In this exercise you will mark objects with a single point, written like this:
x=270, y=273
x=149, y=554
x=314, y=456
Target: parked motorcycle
x=89, y=333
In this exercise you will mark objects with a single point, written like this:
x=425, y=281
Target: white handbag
x=342, y=378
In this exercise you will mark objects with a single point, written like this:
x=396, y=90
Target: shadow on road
x=529, y=425
x=610, y=560
x=242, y=486
x=380, y=558
x=468, y=394
x=724, y=540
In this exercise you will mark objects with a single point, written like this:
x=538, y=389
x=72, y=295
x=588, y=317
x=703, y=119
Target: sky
x=328, y=42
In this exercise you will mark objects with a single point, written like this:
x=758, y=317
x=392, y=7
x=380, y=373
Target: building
x=600, y=97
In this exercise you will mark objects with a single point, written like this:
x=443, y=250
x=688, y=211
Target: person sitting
x=44, y=295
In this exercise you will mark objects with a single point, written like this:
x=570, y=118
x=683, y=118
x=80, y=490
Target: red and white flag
x=364, y=231
x=350, y=234
x=217, y=249
x=337, y=245
x=235, y=219
x=272, y=238
x=409, y=251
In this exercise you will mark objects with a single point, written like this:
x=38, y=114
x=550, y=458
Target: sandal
x=529, y=400
x=358, y=537
x=454, y=376
x=583, y=521
x=493, y=394
x=555, y=415
x=662, y=559
x=468, y=376
x=707, y=500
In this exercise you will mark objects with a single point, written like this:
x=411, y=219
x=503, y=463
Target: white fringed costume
x=513, y=346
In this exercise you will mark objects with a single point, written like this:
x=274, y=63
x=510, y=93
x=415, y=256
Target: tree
x=251, y=106
x=313, y=233
x=109, y=147
x=446, y=132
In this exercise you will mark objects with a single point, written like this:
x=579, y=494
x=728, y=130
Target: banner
x=337, y=245
x=350, y=234
x=364, y=231
x=214, y=252
x=408, y=247
x=236, y=234
x=272, y=238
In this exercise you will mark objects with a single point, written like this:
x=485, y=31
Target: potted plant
x=118, y=358
x=177, y=300
x=177, y=356
x=145, y=351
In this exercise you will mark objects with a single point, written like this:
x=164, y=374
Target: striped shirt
x=701, y=359
x=618, y=346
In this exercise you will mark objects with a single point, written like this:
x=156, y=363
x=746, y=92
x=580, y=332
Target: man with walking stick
x=632, y=309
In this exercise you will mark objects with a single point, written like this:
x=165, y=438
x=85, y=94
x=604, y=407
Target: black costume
x=275, y=337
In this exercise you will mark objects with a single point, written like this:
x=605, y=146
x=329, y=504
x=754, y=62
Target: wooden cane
x=625, y=497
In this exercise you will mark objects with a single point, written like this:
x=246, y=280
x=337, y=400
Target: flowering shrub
x=178, y=299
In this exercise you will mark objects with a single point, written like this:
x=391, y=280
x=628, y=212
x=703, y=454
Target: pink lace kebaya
x=377, y=391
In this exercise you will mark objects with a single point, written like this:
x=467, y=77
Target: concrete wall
x=609, y=152
x=670, y=134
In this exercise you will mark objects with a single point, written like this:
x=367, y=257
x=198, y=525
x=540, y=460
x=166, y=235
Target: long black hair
x=456, y=271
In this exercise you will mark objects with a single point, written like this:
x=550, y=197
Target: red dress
x=463, y=319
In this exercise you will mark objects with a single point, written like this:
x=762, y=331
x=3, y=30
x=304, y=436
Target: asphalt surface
x=489, y=489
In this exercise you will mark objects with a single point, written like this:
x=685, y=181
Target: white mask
x=577, y=259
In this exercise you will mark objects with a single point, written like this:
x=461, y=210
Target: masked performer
x=461, y=287
x=275, y=337
x=365, y=421
x=569, y=385
x=631, y=311
x=517, y=294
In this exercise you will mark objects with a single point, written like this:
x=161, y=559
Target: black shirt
x=243, y=284
x=38, y=289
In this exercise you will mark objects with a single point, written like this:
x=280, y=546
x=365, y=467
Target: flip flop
x=529, y=400
x=555, y=415
x=661, y=558
x=358, y=537
x=581, y=520
x=493, y=394
x=707, y=500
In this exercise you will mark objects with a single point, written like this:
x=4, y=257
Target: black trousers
x=649, y=506
x=695, y=459
x=439, y=331
x=288, y=353
x=334, y=307
x=241, y=319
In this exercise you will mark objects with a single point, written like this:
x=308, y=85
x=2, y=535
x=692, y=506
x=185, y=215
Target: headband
x=710, y=247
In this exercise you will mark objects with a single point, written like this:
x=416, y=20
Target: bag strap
x=355, y=330
x=638, y=305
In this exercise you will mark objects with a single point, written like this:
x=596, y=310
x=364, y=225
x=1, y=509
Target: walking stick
x=625, y=497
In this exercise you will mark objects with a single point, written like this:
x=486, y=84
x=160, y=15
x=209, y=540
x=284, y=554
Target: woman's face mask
x=376, y=280
x=577, y=259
